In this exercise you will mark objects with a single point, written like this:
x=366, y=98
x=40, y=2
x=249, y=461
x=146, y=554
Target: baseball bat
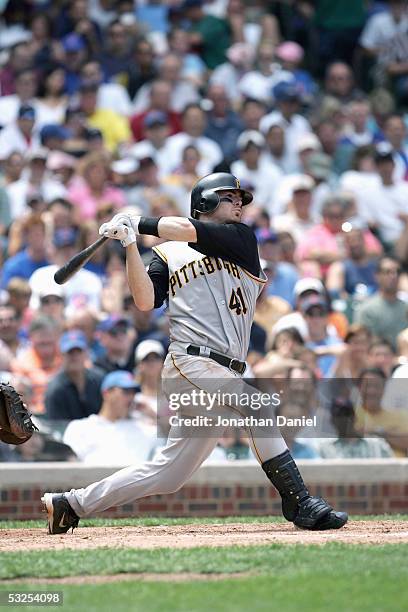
x=77, y=261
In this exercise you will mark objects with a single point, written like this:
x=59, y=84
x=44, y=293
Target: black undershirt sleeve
x=234, y=242
x=158, y=272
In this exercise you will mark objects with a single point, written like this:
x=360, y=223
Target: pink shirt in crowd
x=320, y=238
x=82, y=197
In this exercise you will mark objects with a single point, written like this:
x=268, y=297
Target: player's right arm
x=149, y=288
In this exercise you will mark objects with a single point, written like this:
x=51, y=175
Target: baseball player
x=209, y=272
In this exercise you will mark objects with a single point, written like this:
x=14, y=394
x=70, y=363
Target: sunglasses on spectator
x=316, y=313
x=119, y=330
x=51, y=299
x=389, y=271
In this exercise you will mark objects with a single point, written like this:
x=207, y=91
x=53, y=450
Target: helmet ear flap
x=209, y=201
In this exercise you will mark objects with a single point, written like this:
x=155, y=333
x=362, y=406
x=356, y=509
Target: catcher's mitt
x=16, y=426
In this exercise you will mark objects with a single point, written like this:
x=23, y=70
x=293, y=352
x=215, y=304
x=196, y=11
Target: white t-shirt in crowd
x=210, y=151
x=380, y=28
x=382, y=204
x=265, y=180
x=97, y=441
x=82, y=290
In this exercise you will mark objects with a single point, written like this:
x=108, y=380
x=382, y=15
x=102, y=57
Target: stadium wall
x=240, y=488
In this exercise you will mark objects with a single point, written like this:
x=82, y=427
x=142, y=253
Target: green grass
x=154, y=521
x=331, y=577
x=275, y=559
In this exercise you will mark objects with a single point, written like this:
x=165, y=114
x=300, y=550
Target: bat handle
x=80, y=259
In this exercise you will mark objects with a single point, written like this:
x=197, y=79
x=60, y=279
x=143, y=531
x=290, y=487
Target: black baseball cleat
x=61, y=516
x=298, y=506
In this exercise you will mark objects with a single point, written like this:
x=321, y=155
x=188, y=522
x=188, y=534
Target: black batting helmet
x=204, y=196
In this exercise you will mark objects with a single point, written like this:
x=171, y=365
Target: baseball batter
x=209, y=272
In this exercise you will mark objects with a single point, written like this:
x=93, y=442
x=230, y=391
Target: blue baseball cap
x=26, y=111
x=113, y=321
x=74, y=339
x=155, y=118
x=119, y=378
x=65, y=236
x=72, y=43
x=53, y=130
x=264, y=235
x=286, y=91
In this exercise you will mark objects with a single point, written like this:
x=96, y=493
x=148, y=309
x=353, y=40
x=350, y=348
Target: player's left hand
x=128, y=219
x=118, y=231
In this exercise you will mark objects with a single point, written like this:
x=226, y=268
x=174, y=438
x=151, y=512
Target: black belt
x=204, y=351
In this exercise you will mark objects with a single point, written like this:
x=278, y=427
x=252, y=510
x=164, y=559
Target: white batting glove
x=118, y=231
x=128, y=219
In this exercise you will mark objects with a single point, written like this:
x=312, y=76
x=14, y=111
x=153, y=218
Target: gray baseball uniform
x=211, y=287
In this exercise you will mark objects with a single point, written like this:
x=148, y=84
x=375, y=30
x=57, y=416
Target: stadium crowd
x=109, y=104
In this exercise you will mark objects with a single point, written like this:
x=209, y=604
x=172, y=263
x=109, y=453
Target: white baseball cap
x=146, y=347
x=250, y=136
x=308, y=284
x=127, y=165
x=308, y=141
x=301, y=182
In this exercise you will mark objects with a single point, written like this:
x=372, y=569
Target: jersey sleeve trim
x=160, y=254
x=261, y=281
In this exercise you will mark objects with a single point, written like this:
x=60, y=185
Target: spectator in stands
x=327, y=346
x=19, y=294
x=354, y=358
x=156, y=129
x=210, y=34
x=384, y=314
x=74, y=393
x=25, y=86
x=182, y=92
x=223, y=123
x=86, y=321
x=20, y=135
x=339, y=82
x=116, y=337
x=160, y=92
x=52, y=101
x=282, y=277
x=41, y=360
x=114, y=127
x=10, y=342
x=373, y=420
x=116, y=55
x=387, y=199
x=19, y=59
x=149, y=358
x=111, y=95
x=356, y=269
x=193, y=128
x=300, y=449
x=381, y=355
x=298, y=218
x=34, y=255
x=112, y=437
x=93, y=187
x=256, y=169
x=284, y=354
x=350, y=444
x=52, y=303
x=322, y=245
x=74, y=55
x=395, y=133
x=82, y=289
x=288, y=99
x=143, y=70
x=193, y=67
x=240, y=59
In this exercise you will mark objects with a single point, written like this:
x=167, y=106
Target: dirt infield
x=189, y=536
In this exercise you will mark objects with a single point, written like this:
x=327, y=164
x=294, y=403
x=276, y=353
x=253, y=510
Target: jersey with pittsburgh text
x=211, y=299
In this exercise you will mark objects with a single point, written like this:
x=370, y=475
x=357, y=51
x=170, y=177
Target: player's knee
x=173, y=485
